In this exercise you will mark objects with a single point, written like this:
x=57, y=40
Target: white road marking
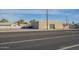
x=69, y=47
x=31, y=40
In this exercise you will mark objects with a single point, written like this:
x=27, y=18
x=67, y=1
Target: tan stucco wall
x=43, y=25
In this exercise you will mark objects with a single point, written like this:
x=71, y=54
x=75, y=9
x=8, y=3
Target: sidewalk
x=28, y=30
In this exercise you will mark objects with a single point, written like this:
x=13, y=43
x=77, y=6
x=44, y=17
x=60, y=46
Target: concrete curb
x=34, y=30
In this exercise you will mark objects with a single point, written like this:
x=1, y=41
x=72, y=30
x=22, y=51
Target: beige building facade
x=51, y=25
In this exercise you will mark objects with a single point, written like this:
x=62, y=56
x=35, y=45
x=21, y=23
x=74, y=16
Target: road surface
x=42, y=40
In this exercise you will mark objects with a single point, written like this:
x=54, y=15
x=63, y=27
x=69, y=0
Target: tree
x=33, y=21
x=19, y=22
x=4, y=20
x=25, y=23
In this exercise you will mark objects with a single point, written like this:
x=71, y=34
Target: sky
x=40, y=14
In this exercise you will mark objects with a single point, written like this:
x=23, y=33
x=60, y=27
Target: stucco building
x=51, y=25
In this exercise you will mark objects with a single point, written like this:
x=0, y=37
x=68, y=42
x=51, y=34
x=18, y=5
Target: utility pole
x=47, y=18
x=66, y=20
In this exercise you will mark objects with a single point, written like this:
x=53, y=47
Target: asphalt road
x=42, y=40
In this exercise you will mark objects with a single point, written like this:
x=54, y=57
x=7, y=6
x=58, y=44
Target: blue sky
x=54, y=14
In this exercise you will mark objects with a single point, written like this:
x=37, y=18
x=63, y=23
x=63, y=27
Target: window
x=52, y=26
